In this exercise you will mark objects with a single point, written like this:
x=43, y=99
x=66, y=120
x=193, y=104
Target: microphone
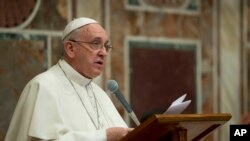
x=113, y=88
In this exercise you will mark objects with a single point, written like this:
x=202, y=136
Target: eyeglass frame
x=94, y=45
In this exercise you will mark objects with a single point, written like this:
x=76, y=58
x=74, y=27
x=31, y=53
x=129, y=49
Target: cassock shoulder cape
x=50, y=109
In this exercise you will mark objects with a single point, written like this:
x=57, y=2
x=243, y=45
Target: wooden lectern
x=181, y=127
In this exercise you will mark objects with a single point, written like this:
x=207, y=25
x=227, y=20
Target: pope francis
x=63, y=103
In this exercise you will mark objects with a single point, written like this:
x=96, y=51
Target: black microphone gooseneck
x=113, y=88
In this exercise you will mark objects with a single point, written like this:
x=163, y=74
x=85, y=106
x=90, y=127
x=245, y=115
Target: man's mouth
x=99, y=62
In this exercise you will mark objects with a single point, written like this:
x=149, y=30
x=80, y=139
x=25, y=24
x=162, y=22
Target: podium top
x=196, y=125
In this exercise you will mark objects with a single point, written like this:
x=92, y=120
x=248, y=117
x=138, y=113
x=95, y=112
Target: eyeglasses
x=95, y=45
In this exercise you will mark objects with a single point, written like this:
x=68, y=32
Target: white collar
x=72, y=74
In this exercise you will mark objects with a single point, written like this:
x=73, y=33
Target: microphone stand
x=134, y=118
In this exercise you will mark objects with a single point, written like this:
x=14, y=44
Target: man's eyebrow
x=99, y=39
x=96, y=38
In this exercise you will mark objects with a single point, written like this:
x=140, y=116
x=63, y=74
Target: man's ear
x=69, y=49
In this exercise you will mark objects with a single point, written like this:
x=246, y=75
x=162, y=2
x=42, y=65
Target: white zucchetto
x=76, y=23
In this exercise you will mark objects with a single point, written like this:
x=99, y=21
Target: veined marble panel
x=20, y=61
x=166, y=6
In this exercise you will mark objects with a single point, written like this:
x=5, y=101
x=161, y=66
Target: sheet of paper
x=178, y=106
x=179, y=100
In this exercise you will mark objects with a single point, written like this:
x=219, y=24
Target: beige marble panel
x=230, y=62
x=87, y=8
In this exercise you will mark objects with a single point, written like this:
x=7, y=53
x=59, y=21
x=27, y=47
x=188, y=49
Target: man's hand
x=245, y=118
x=116, y=133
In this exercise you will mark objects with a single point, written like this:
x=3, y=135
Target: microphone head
x=112, y=85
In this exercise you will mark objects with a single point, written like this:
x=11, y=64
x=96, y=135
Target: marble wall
x=217, y=30
x=29, y=46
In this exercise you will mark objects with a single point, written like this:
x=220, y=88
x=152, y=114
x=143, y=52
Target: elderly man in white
x=63, y=103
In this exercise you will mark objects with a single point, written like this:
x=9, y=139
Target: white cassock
x=50, y=108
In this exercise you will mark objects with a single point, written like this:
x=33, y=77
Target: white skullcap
x=76, y=23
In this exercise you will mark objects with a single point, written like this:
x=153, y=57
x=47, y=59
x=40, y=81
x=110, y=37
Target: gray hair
x=70, y=36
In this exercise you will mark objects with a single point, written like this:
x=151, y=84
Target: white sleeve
x=99, y=135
